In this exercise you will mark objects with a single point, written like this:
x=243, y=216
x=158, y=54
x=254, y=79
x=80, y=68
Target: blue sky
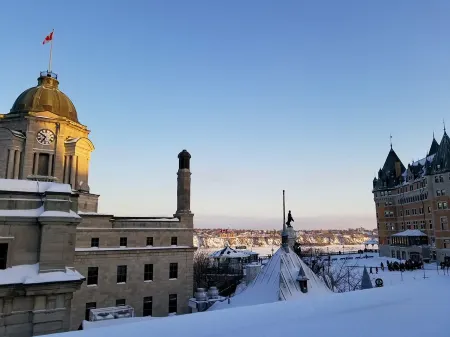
x=295, y=95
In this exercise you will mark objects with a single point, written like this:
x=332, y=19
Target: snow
x=113, y=322
x=391, y=311
x=29, y=186
x=410, y=232
x=94, y=213
x=95, y=249
x=371, y=242
x=29, y=274
x=229, y=253
x=277, y=281
x=72, y=140
x=70, y=214
x=37, y=212
x=147, y=219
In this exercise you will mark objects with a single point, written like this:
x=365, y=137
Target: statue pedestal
x=292, y=237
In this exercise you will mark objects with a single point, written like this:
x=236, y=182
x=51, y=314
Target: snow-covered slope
x=277, y=281
x=390, y=311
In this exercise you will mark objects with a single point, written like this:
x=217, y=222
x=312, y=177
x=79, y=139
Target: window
x=442, y=192
x=123, y=242
x=172, y=303
x=401, y=212
x=43, y=164
x=148, y=306
x=149, y=240
x=95, y=242
x=443, y=223
x=421, y=210
x=436, y=179
x=121, y=274
x=439, y=205
x=429, y=209
x=92, y=278
x=445, y=205
x=3, y=255
x=438, y=193
x=148, y=272
x=173, y=270
x=120, y=303
x=89, y=306
x=441, y=179
x=174, y=241
x=430, y=222
x=414, y=211
x=407, y=212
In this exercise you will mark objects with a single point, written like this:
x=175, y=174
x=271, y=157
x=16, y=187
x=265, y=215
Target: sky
x=265, y=95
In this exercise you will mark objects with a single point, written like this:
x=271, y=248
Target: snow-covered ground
x=406, y=309
x=389, y=277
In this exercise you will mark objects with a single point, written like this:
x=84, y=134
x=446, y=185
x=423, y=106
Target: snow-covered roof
x=351, y=314
x=36, y=213
x=371, y=242
x=30, y=186
x=229, y=253
x=410, y=232
x=277, y=281
x=29, y=274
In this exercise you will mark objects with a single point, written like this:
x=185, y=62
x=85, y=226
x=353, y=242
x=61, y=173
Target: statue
x=289, y=219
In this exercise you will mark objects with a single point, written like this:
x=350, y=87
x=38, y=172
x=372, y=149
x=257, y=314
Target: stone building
x=413, y=200
x=144, y=262
x=37, y=247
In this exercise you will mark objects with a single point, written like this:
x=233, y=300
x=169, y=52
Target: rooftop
x=410, y=232
x=352, y=314
x=29, y=274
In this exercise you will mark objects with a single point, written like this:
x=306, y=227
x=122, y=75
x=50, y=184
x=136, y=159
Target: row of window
x=416, y=224
x=418, y=185
x=147, y=305
x=93, y=273
x=409, y=225
x=123, y=241
x=415, y=211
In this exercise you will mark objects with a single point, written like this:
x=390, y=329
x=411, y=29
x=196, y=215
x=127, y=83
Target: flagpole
x=51, y=50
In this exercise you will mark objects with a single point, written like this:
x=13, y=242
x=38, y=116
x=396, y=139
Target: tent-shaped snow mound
x=278, y=281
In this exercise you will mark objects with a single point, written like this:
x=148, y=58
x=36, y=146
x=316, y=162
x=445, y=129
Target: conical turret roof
x=434, y=147
x=441, y=160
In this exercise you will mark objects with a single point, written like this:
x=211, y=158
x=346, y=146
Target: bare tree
x=201, y=265
x=340, y=276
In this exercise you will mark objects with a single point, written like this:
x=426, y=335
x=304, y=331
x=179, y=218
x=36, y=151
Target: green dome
x=46, y=97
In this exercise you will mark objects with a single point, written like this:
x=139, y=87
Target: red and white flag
x=48, y=38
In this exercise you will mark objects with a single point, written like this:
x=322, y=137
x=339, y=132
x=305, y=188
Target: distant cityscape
x=219, y=238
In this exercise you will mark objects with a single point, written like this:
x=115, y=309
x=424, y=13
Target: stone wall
x=107, y=291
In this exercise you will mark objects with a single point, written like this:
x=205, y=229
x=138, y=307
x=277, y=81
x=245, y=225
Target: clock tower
x=42, y=139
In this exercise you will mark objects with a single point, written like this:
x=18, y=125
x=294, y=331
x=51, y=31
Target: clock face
x=45, y=137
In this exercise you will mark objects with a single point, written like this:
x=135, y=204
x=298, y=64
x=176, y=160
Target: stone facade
x=124, y=259
x=37, y=240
